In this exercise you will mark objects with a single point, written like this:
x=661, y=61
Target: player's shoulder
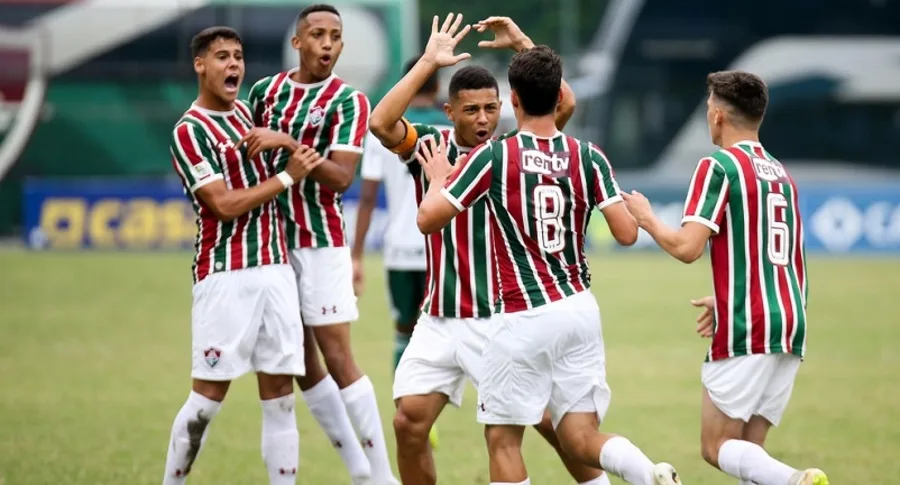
x=263, y=84
x=345, y=91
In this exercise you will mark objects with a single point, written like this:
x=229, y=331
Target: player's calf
x=413, y=420
x=334, y=342
x=583, y=474
x=190, y=429
x=504, y=444
x=315, y=371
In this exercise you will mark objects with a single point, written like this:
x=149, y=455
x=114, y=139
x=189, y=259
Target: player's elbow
x=626, y=237
x=224, y=207
x=688, y=253
x=342, y=183
x=378, y=124
x=426, y=221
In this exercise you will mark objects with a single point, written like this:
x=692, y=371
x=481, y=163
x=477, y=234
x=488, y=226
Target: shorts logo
x=316, y=115
x=212, y=355
x=333, y=309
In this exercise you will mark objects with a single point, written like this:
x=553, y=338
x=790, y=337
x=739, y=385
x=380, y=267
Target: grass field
x=94, y=353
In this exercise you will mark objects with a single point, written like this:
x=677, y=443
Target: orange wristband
x=409, y=139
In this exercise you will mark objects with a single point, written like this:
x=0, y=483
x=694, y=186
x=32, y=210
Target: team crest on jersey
x=768, y=170
x=22, y=88
x=212, y=356
x=552, y=164
x=316, y=115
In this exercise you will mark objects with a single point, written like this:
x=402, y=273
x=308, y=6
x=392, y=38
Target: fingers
x=244, y=138
x=458, y=37
x=442, y=145
x=446, y=26
x=487, y=44
x=456, y=24
x=697, y=302
x=421, y=158
x=434, y=24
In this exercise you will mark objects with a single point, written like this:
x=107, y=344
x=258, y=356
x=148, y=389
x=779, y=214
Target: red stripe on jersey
x=513, y=299
x=326, y=195
x=578, y=183
x=756, y=312
x=721, y=264
x=361, y=128
x=187, y=145
x=464, y=264
x=208, y=223
x=271, y=93
x=798, y=239
x=698, y=186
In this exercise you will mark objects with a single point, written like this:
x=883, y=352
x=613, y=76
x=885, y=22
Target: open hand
x=507, y=35
x=443, y=41
x=434, y=160
x=706, y=320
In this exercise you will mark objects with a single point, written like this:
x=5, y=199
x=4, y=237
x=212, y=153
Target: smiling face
x=221, y=70
x=475, y=114
x=319, y=41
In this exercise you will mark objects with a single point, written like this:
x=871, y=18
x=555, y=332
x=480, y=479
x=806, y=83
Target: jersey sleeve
x=349, y=132
x=424, y=133
x=707, y=195
x=605, y=188
x=472, y=180
x=374, y=158
x=193, y=156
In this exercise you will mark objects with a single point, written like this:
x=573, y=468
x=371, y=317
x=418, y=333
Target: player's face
x=319, y=41
x=474, y=114
x=221, y=69
x=714, y=118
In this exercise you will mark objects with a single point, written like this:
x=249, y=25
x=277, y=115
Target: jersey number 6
x=779, y=242
x=549, y=201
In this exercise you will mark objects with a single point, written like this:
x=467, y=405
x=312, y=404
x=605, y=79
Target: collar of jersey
x=211, y=112
x=748, y=142
x=525, y=132
x=291, y=81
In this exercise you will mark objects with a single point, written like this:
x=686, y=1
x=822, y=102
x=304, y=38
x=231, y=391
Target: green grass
x=95, y=360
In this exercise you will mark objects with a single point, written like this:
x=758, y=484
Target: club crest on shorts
x=316, y=115
x=212, y=356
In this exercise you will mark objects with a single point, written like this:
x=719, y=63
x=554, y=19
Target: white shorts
x=325, y=284
x=749, y=385
x=441, y=353
x=547, y=358
x=246, y=320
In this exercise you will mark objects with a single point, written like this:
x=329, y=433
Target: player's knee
x=709, y=449
x=575, y=442
x=500, y=440
x=338, y=360
x=410, y=428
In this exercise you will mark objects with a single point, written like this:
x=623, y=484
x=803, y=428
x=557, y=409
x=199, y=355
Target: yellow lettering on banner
x=177, y=223
x=103, y=213
x=62, y=222
x=139, y=227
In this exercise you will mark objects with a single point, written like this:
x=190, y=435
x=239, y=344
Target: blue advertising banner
x=133, y=214
x=155, y=214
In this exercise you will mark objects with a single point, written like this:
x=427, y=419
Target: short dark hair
x=746, y=93
x=200, y=42
x=317, y=7
x=472, y=77
x=430, y=86
x=536, y=76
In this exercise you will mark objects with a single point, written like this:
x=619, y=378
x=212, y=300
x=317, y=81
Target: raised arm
x=508, y=35
x=387, y=122
x=196, y=164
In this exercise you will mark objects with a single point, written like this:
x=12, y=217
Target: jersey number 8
x=779, y=242
x=549, y=201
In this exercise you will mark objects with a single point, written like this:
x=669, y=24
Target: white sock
x=621, y=458
x=280, y=440
x=325, y=404
x=188, y=435
x=527, y=481
x=601, y=480
x=749, y=462
x=359, y=398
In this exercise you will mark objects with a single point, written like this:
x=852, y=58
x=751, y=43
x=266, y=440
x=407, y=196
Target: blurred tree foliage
x=543, y=20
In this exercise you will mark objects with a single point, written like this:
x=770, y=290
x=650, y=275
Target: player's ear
x=295, y=42
x=199, y=66
x=448, y=110
x=514, y=99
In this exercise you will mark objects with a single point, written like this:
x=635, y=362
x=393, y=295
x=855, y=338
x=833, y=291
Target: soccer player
x=317, y=108
x=744, y=203
x=244, y=302
x=545, y=345
x=447, y=341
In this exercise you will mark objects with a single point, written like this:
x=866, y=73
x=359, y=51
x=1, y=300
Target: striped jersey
x=460, y=273
x=749, y=200
x=203, y=151
x=540, y=192
x=328, y=116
